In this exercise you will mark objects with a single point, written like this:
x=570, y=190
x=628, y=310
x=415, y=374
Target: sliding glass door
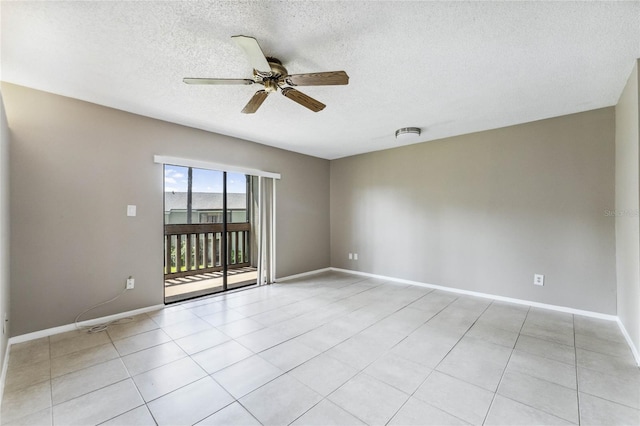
x=208, y=238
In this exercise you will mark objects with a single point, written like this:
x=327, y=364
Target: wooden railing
x=197, y=248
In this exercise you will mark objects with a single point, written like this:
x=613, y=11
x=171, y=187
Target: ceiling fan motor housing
x=277, y=67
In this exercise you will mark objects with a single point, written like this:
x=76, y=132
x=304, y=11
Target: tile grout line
x=369, y=303
x=257, y=354
x=144, y=401
x=50, y=378
x=448, y=352
x=319, y=326
x=575, y=353
x=103, y=387
x=506, y=366
x=557, y=384
x=245, y=408
x=120, y=356
x=326, y=350
x=361, y=371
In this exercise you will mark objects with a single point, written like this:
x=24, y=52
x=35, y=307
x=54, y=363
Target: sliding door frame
x=225, y=169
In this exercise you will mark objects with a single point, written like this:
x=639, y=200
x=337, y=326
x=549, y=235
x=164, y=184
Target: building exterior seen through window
x=207, y=232
x=206, y=196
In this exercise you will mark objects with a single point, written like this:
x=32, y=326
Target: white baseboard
x=632, y=345
x=634, y=350
x=558, y=308
x=485, y=295
x=62, y=329
x=70, y=327
x=302, y=275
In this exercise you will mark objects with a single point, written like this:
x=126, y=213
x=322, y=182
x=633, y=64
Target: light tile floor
x=330, y=349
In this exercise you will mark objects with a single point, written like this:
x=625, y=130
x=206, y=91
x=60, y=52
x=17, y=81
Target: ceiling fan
x=270, y=73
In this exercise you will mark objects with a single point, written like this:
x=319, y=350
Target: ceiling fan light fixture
x=408, y=134
x=270, y=86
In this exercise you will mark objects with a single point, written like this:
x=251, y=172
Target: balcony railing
x=197, y=248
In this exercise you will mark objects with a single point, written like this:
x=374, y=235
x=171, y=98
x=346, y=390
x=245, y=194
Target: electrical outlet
x=538, y=279
x=355, y=256
x=350, y=256
x=130, y=283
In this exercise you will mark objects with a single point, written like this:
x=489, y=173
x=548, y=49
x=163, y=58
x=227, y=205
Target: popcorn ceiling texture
x=449, y=68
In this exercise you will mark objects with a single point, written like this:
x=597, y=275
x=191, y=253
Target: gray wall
x=487, y=211
x=482, y=212
x=4, y=228
x=627, y=205
x=74, y=168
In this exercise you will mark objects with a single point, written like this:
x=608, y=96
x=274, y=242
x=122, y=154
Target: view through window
x=208, y=236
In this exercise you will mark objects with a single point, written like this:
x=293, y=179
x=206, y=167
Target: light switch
x=131, y=210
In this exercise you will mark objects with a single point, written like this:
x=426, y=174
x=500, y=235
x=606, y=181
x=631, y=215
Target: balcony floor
x=177, y=289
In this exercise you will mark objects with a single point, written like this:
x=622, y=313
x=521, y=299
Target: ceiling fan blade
x=251, y=47
x=255, y=102
x=302, y=99
x=217, y=81
x=330, y=78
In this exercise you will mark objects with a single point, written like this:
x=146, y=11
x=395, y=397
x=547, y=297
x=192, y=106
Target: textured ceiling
x=447, y=67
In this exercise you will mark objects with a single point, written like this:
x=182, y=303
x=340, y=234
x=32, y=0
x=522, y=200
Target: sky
x=175, y=179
